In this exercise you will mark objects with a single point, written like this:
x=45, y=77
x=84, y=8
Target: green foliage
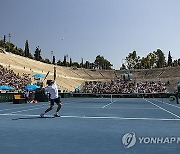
x=81, y=65
x=132, y=60
x=37, y=54
x=102, y=63
x=169, y=59
x=4, y=39
x=175, y=63
x=75, y=64
x=179, y=62
x=54, y=60
x=20, y=52
x=59, y=63
x=160, y=58
x=64, y=61
x=123, y=67
x=87, y=65
x=11, y=47
x=26, y=51
x=46, y=60
x=2, y=44
x=70, y=63
x=153, y=59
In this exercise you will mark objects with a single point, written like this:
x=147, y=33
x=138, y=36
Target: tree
x=87, y=64
x=102, y=63
x=37, y=54
x=148, y=61
x=169, y=59
x=64, y=61
x=152, y=59
x=123, y=67
x=20, y=52
x=4, y=40
x=9, y=47
x=75, y=64
x=70, y=63
x=54, y=60
x=143, y=62
x=81, y=65
x=99, y=61
x=3, y=44
x=26, y=51
x=92, y=66
x=46, y=60
x=59, y=63
x=106, y=64
x=179, y=62
x=160, y=59
x=30, y=56
x=132, y=60
x=175, y=63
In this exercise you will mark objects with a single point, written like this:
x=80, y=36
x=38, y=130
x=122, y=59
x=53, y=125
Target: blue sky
x=111, y=28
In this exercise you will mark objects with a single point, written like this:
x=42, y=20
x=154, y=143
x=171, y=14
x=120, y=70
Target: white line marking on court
x=164, y=109
x=118, y=108
x=119, y=118
x=95, y=117
x=167, y=103
x=108, y=104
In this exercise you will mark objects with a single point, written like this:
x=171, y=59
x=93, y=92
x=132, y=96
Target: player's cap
x=50, y=82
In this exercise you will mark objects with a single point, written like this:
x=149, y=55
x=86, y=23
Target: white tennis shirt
x=53, y=90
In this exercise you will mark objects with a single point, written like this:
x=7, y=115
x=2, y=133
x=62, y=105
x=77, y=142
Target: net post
x=176, y=95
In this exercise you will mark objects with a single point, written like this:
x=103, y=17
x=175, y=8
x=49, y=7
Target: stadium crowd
x=8, y=77
x=121, y=87
x=118, y=86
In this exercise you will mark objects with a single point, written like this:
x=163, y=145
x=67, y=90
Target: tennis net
x=170, y=96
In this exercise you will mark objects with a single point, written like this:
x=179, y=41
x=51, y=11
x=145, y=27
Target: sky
x=87, y=28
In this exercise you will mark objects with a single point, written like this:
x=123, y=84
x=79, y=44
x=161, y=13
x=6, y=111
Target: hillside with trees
x=72, y=74
x=154, y=59
x=99, y=63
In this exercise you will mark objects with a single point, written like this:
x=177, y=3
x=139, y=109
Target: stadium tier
x=69, y=78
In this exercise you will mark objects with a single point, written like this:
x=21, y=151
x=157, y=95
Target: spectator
x=8, y=77
x=119, y=87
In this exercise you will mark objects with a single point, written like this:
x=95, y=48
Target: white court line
x=118, y=108
x=108, y=104
x=167, y=103
x=163, y=109
x=95, y=117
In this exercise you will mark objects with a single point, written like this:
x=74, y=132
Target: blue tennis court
x=92, y=125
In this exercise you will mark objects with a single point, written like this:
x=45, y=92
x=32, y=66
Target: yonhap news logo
x=130, y=139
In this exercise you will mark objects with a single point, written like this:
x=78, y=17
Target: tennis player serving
x=54, y=98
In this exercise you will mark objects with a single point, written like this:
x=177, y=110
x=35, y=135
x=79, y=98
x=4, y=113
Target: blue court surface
x=92, y=126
